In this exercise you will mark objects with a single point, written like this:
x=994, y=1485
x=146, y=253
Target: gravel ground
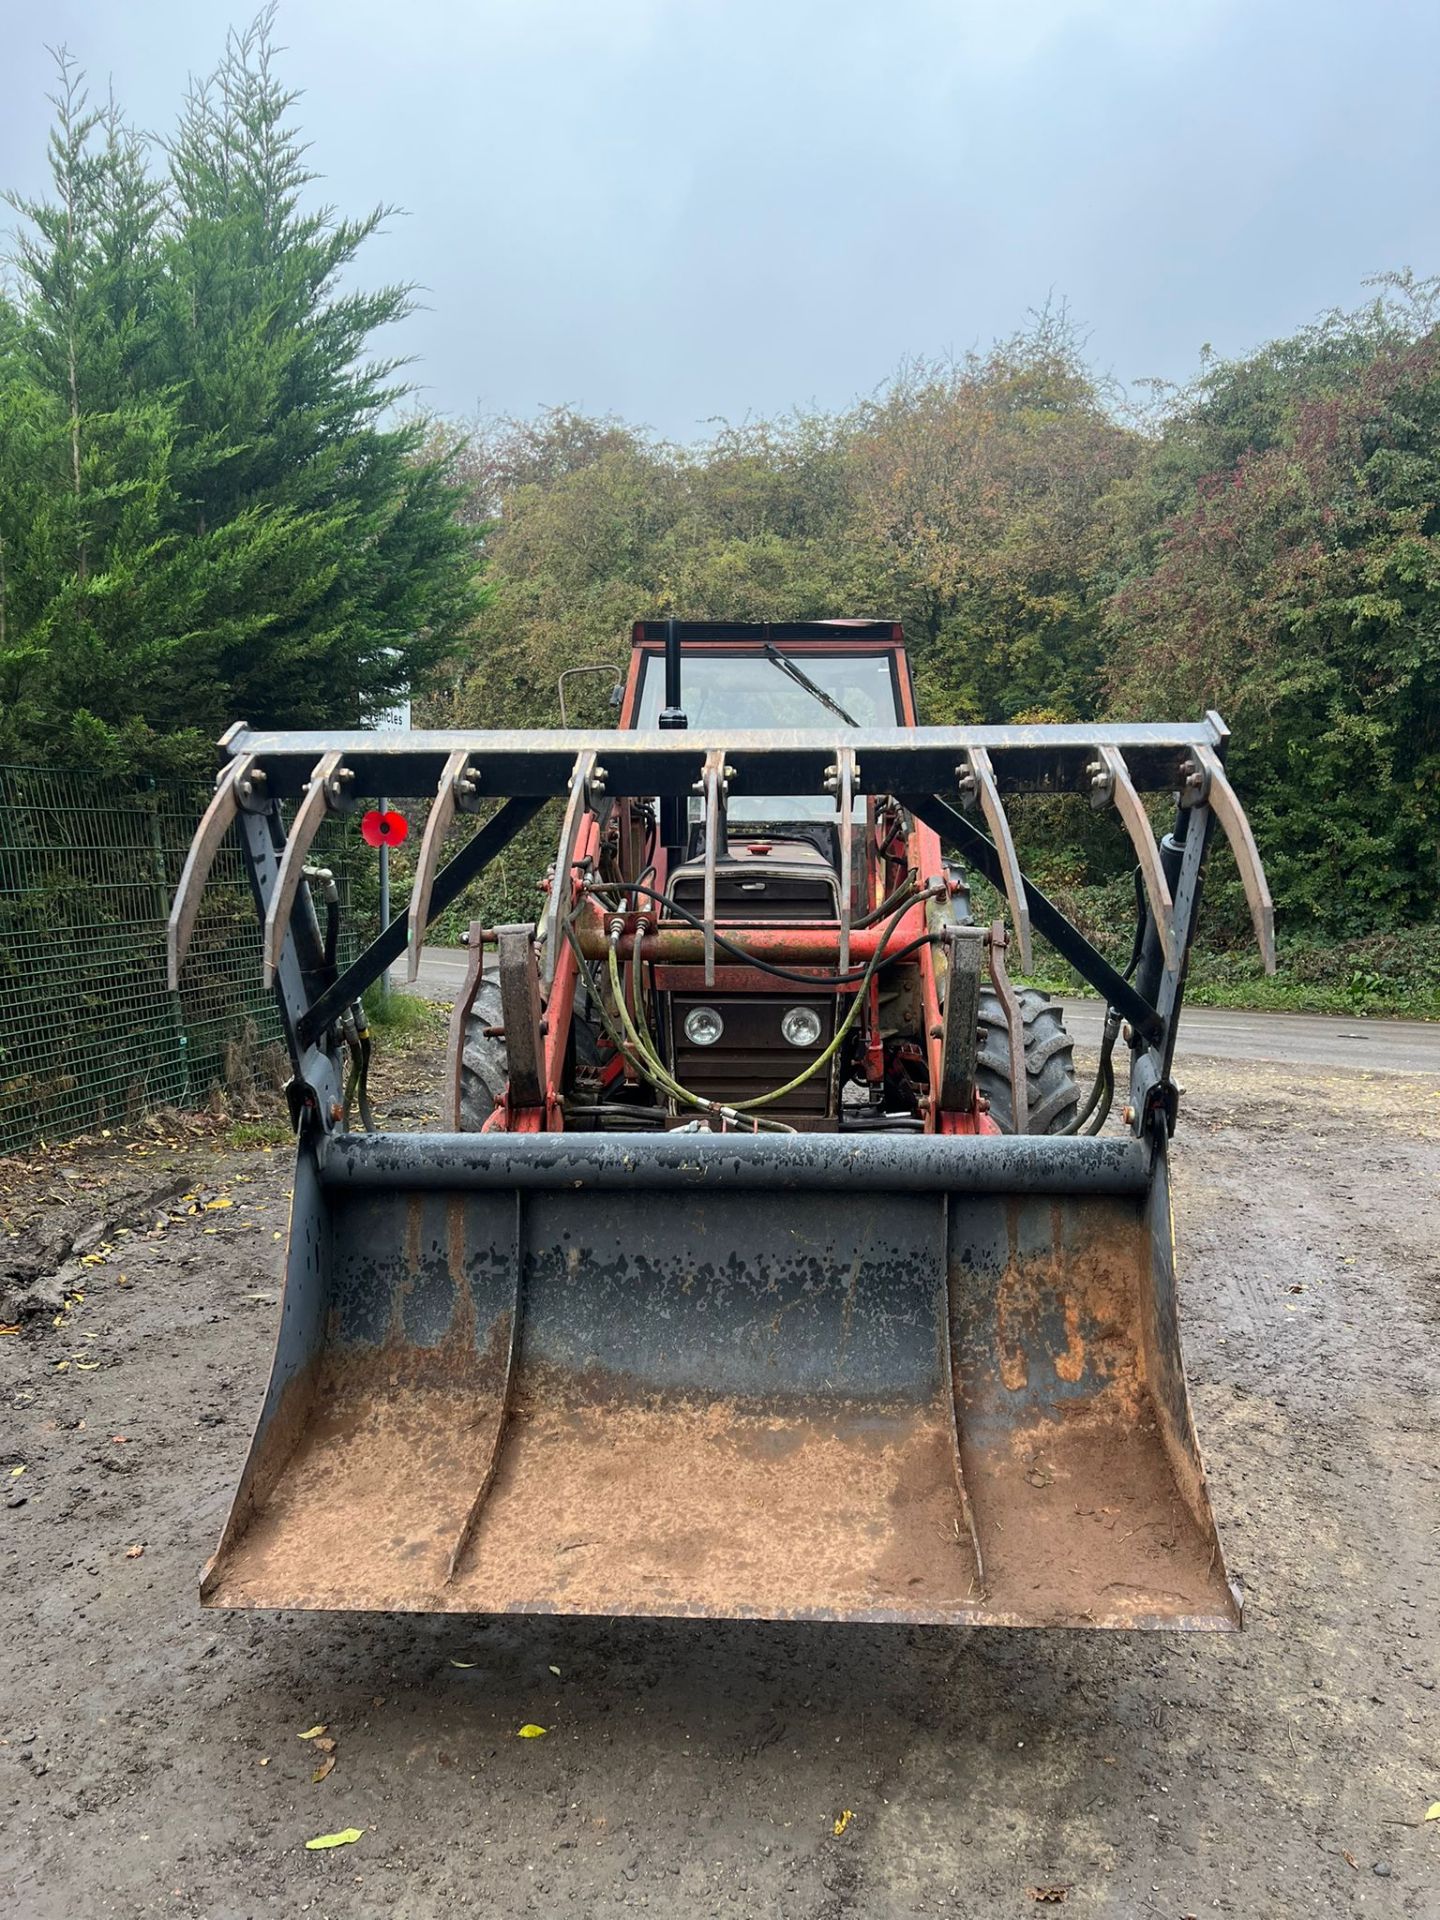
x=150, y=1761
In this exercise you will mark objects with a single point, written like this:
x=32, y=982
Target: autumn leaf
x=531, y=1732
x=312, y=1733
x=345, y=1838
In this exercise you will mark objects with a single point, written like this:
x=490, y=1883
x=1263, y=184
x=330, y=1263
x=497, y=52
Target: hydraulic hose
x=662, y=1076
x=748, y=959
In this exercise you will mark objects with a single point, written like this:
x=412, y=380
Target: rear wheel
x=1052, y=1091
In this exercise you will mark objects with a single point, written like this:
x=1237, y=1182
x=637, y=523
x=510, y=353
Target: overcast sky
x=683, y=209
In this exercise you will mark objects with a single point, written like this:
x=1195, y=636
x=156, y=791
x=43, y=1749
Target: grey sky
x=677, y=209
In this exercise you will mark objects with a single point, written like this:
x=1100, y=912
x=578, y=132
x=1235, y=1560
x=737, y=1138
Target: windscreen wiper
x=786, y=665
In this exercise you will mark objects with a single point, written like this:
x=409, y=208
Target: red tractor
x=768, y=1268
x=780, y=958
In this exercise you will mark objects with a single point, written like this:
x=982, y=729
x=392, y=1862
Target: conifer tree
x=208, y=509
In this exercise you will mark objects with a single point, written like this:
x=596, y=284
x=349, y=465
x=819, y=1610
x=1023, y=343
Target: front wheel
x=1052, y=1091
x=484, y=1068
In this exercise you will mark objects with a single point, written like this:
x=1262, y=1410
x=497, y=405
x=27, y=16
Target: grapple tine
x=234, y=781
x=712, y=782
x=583, y=775
x=310, y=813
x=847, y=773
x=442, y=815
x=1116, y=785
x=982, y=778
x=1015, y=1029
x=1207, y=785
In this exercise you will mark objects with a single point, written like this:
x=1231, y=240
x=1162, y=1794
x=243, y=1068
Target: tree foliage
x=1265, y=542
x=205, y=511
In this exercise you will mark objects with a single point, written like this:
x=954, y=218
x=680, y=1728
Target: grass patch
x=1392, y=975
x=405, y=1018
x=259, y=1133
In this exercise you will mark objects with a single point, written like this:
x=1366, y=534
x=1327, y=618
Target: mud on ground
x=150, y=1760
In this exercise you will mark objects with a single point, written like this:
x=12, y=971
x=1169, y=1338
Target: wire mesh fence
x=90, y=1034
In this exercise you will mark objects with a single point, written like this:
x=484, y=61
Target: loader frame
x=930, y=771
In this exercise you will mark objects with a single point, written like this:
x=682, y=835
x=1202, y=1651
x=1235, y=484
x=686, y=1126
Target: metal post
x=384, y=902
x=671, y=718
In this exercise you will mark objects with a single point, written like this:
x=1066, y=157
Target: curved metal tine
x=1231, y=815
x=576, y=808
x=845, y=789
x=1137, y=824
x=214, y=824
x=712, y=779
x=1015, y=1029
x=442, y=815
x=306, y=825
x=983, y=774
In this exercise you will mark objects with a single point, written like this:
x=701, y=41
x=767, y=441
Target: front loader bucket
x=880, y=1378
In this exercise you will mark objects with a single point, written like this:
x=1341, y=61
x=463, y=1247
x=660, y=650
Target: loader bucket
x=881, y=1378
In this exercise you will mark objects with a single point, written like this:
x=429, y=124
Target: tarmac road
x=1206, y=1033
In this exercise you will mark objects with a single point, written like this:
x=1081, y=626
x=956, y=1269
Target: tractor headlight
x=703, y=1026
x=801, y=1026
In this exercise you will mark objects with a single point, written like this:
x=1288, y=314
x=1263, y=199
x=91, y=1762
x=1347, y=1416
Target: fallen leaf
x=1050, y=1895
x=1432, y=1812
x=323, y=1744
x=312, y=1733
x=265, y=1761
x=843, y=1822
x=217, y=1206
x=87, y=1366
x=462, y=1663
x=531, y=1732
x=133, y=1553
x=9, y=1329
x=326, y=1766
x=556, y=1672
x=1350, y=1861
x=15, y=1472
x=345, y=1838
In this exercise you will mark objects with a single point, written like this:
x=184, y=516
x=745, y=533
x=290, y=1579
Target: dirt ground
x=150, y=1762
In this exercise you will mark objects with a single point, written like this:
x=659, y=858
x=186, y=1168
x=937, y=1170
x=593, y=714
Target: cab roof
x=756, y=633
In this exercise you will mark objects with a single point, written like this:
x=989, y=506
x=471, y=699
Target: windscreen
x=751, y=690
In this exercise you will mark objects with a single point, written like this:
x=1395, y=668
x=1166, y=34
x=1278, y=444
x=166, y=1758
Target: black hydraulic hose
x=1107, y=1096
x=1103, y=1090
x=1140, y=911
x=887, y=905
x=851, y=979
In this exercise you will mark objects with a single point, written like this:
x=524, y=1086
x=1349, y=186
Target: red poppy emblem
x=383, y=829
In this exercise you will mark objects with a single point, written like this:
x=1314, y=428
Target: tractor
x=774, y=1261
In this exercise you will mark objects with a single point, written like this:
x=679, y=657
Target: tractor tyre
x=484, y=1068
x=484, y=1064
x=1052, y=1091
